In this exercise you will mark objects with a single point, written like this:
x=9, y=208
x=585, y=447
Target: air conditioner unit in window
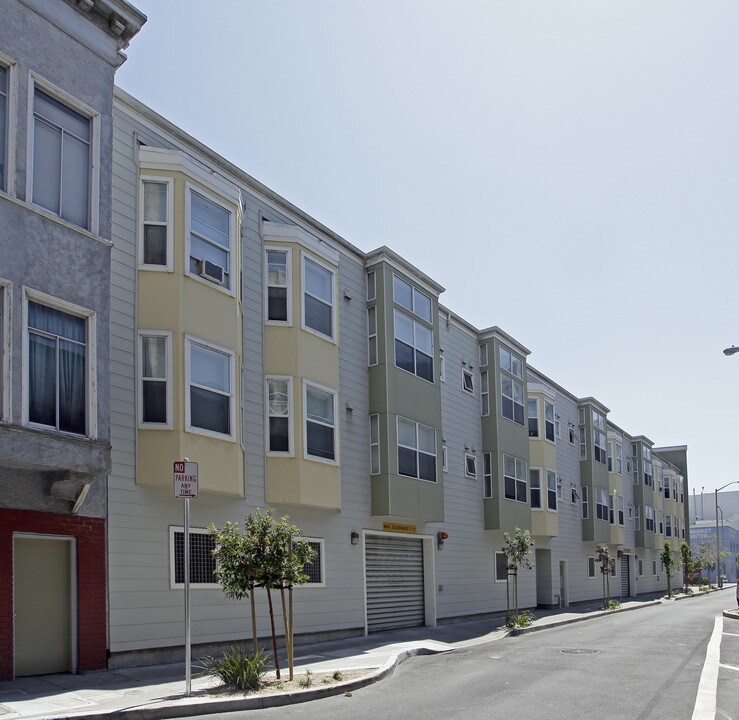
x=210, y=271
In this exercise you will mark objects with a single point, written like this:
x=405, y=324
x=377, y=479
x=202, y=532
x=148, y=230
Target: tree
x=269, y=554
x=669, y=563
x=607, y=566
x=706, y=557
x=518, y=552
x=687, y=562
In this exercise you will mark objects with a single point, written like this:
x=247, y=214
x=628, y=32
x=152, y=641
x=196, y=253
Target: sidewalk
x=153, y=692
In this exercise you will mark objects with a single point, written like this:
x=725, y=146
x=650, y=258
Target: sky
x=566, y=170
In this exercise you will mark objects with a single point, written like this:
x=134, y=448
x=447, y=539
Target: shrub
x=237, y=668
x=307, y=680
x=523, y=619
x=611, y=605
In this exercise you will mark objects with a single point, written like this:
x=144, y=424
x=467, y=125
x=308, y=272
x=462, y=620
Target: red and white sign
x=185, y=475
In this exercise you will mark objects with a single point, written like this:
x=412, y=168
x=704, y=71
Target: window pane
x=155, y=245
x=277, y=304
x=42, y=380
x=155, y=202
x=402, y=293
x=153, y=360
x=318, y=281
x=47, y=161
x=209, y=410
x=155, y=401
x=71, y=387
x=501, y=566
x=422, y=305
x=374, y=428
x=407, y=462
x=320, y=440
x=403, y=327
x=210, y=368
x=277, y=268
x=203, y=250
x=516, y=367
x=505, y=359
x=3, y=121
x=424, y=339
x=373, y=350
x=320, y=405
x=75, y=180
x=406, y=433
x=509, y=465
x=278, y=399
x=372, y=320
x=61, y=115
x=56, y=322
x=404, y=356
x=318, y=316
x=427, y=439
x=424, y=367
x=278, y=435
x=426, y=467
x=209, y=220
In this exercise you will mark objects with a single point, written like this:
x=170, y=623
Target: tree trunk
x=288, y=649
x=253, y=604
x=274, y=635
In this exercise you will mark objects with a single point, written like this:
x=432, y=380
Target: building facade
x=216, y=321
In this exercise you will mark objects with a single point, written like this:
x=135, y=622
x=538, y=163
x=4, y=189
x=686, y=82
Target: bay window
x=414, y=346
x=514, y=478
x=318, y=298
x=210, y=388
x=320, y=422
x=416, y=450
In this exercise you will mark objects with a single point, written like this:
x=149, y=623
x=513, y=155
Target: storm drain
x=579, y=651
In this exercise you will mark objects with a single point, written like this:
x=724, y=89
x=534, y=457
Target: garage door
x=394, y=568
x=625, y=579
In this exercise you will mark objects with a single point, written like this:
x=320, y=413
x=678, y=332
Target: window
x=414, y=347
x=62, y=138
x=573, y=495
x=484, y=394
x=514, y=478
x=156, y=371
x=318, y=298
x=610, y=456
x=3, y=122
x=372, y=335
x=661, y=522
x=668, y=525
x=535, y=486
x=210, y=239
x=601, y=504
x=649, y=518
x=279, y=415
x=278, y=286
x=483, y=355
x=511, y=386
x=583, y=443
x=619, y=458
x=156, y=223
x=487, y=474
x=611, y=510
x=416, y=450
x=210, y=392
x=468, y=384
x=572, y=434
x=666, y=487
x=637, y=518
x=444, y=464
x=584, y=500
x=58, y=368
x=533, y=412
x=407, y=296
x=621, y=510
x=442, y=368
x=599, y=437
x=551, y=490
x=654, y=567
x=591, y=566
x=641, y=568
x=371, y=286
x=549, y=420
x=202, y=562
x=647, y=463
x=320, y=422
x=4, y=348
x=374, y=444
x=470, y=465
x=501, y=567
x=315, y=568
x=675, y=493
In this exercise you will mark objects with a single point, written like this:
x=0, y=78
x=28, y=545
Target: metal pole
x=722, y=540
x=188, y=669
x=718, y=553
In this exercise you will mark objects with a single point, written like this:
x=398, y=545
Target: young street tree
x=607, y=566
x=669, y=563
x=518, y=552
x=706, y=558
x=687, y=562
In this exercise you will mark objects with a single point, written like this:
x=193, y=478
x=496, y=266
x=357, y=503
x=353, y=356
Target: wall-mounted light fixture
x=355, y=538
x=441, y=536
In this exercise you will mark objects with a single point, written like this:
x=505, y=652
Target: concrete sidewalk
x=153, y=692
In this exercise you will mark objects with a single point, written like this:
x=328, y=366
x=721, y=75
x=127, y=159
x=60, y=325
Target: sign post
x=185, y=478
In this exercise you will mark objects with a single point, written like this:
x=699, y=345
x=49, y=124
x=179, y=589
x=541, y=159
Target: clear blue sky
x=568, y=171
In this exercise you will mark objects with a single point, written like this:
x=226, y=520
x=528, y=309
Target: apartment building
x=213, y=320
x=55, y=214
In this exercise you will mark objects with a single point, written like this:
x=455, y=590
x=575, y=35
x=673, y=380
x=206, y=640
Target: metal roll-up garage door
x=625, y=579
x=394, y=568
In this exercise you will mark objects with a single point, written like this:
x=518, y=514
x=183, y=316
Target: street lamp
x=731, y=350
x=718, y=552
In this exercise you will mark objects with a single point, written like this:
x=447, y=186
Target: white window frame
x=495, y=567
x=40, y=83
x=591, y=567
x=468, y=382
x=167, y=335
x=414, y=347
x=290, y=416
x=549, y=403
x=487, y=474
x=289, y=280
x=444, y=455
x=535, y=471
x=668, y=525
x=584, y=503
x=90, y=317
x=611, y=509
x=168, y=182
x=442, y=368
x=654, y=568
x=574, y=497
x=191, y=188
x=551, y=478
x=641, y=568
x=191, y=340
x=517, y=381
x=470, y=460
x=7, y=181
x=601, y=494
x=414, y=292
x=637, y=518
x=523, y=479
x=172, y=574
x=371, y=286
x=305, y=257
x=620, y=511
x=619, y=458
x=375, y=420
x=372, y=340
x=5, y=349
x=415, y=449
x=529, y=417
x=484, y=393
x=649, y=519
x=335, y=394
x=483, y=355
x=321, y=560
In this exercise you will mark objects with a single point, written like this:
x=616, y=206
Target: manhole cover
x=579, y=651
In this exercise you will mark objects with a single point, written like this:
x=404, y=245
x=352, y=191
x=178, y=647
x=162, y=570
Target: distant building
x=705, y=532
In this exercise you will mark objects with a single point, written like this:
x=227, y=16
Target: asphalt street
x=637, y=665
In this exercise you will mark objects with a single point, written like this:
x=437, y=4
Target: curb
x=731, y=614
